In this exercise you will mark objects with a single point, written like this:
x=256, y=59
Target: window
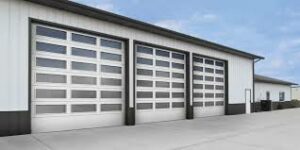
x=51, y=63
x=209, y=62
x=162, y=74
x=144, y=83
x=84, y=66
x=219, y=71
x=162, y=63
x=198, y=86
x=84, y=80
x=162, y=105
x=112, y=57
x=83, y=39
x=111, y=94
x=177, y=65
x=198, y=60
x=209, y=78
x=209, y=87
x=83, y=94
x=111, y=44
x=145, y=50
x=177, y=104
x=162, y=84
x=51, y=48
x=220, y=64
x=111, y=69
x=50, y=78
x=219, y=79
x=144, y=61
x=84, y=108
x=177, y=85
x=50, y=109
x=53, y=33
x=83, y=52
x=209, y=70
x=111, y=107
x=196, y=68
x=267, y=95
x=197, y=77
x=178, y=95
x=162, y=53
x=178, y=75
x=281, y=96
x=162, y=94
x=145, y=72
x=141, y=106
x=47, y=93
x=111, y=81
x=198, y=95
x=144, y=94
x=178, y=56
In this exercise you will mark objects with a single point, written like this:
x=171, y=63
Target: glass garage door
x=77, y=80
x=208, y=86
x=160, y=85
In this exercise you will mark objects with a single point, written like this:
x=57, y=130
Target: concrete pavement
x=277, y=130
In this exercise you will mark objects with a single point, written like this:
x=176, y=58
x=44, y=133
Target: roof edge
x=265, y=79
x=126, y=21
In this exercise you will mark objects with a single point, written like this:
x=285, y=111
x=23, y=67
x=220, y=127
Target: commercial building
x=69, y=66
x=296, y=93
x=276, y=90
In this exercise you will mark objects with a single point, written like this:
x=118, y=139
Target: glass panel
x=111, y=69
x=111, y=81
x=84, y=108
x=219, y=71
x=111, y=94
x=52, y=63
x=83, y=94
x=144, y=106
x=162, y=74
x=177, y=66
x=40, y=77
x=47, y=93
x=177, y=75
x=52, y=48
x=198, y=104
x=199, y=60
x=219, y=87
x=83, y=52
x=112, y=57
x=209, y=104
x=162, y=53
x=196, y=68
x=209, y=62
x=219, y=103
x=197, y=77
x=111, y=44
x=209, y=95
x=47, y=109
x=177, y=104
x=220, y=64
x=144, y=95
x=209, y=78
x=145, y=50
x=84, y=66
x=145, y=72
x=83, y=39
x=43, y=31
x=162, y=63
x=162, y=84
x=84, y=80
x=198, y=86
x=177, y=95
x=111, y=107
x=177, y=85
x=209, y=70
x=162, y=105
x=209, y=87
x=144, y=61
x=162, y=95
x=144, y=83
x=177, y=56
x=219, y=95
x=219, y=79
x=198, y=95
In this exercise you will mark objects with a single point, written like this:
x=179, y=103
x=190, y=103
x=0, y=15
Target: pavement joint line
x=48, y=147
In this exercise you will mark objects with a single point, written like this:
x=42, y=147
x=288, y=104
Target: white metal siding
x=14, y=51
x=296, y=93
x=274, y=89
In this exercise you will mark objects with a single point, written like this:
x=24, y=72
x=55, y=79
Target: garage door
x=160, y=84
x=208, y=86
x=77, y=80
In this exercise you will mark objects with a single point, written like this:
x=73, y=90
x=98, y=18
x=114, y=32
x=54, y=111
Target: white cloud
x=204, y=17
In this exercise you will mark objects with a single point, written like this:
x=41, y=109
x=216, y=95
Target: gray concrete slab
x=277, y=130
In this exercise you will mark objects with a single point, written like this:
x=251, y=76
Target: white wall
x=14, y=15
x=274, y=89
x=296, y=93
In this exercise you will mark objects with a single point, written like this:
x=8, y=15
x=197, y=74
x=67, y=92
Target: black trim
x=125, y=21
x=227, y=112
x=189, y=97
x=253, y=108
x=14, y=123
x=234, y=109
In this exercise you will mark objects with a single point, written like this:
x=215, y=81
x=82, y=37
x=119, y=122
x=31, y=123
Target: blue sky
x=270, y=28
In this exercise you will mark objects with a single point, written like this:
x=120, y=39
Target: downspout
x=253, y=68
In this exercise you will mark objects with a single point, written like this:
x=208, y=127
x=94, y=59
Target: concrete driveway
x=277, y=130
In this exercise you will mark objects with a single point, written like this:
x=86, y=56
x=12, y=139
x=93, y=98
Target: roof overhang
x=125, y=21
x=265, y=79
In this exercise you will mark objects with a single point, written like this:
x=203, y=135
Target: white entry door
x=208, y=86
x=248, y=100
x=77, y=80
x=160, y=84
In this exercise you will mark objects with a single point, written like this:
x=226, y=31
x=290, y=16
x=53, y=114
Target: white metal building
x=69, y=66
x=296, y=93
x=276, y=90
